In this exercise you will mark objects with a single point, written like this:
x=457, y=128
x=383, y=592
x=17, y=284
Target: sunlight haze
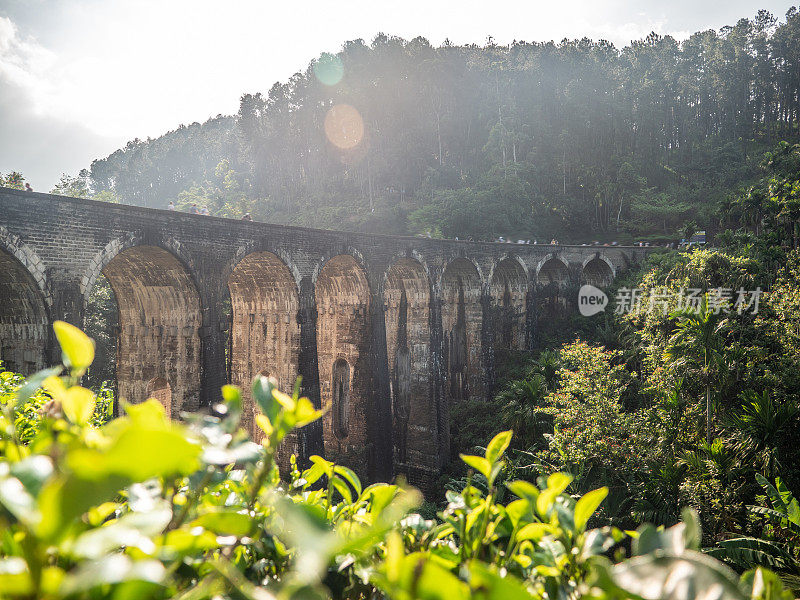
x=79, y=78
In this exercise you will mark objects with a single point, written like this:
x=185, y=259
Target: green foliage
x=144, y=507
x=13, y=180
x=576, y=140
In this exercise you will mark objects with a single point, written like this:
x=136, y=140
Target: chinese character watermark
x=658, y=300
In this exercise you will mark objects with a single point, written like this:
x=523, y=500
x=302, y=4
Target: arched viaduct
x=387, y=331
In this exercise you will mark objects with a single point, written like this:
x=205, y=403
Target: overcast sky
x=79, y=78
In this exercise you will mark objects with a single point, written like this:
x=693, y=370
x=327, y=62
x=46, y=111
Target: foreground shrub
x=143, y=507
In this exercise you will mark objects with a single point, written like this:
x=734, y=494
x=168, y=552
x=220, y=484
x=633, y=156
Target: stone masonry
x=387, y=332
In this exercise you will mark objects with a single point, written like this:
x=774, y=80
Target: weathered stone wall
x=343, y=340
x=205, y=300
x=23, y=318
x=265, y=332
x=407, y=294
x=158, y=346
x=509, y=292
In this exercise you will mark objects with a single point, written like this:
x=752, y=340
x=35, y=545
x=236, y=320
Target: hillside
x=576, y=140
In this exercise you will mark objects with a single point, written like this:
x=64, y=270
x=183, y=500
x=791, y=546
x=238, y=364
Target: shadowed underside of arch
x=462, y=316
x=23, y=318
x=265, y=334
x=509, y=288
x=158, y=345
x=343, y=336
x=551, y=280
x=597, y=273
x=408, y=339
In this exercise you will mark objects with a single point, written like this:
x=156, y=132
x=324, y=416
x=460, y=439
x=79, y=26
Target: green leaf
x=112, y=569
x=18, y=501
x=14, y=577
x=523, y=489
x=558, y=482
x=33, y=383
x=480, y=464
x=225, y=521
x=498, y=446
x=138, y=454
x=262, y=394
x=518, y=509
x=33, y=472
x=341, y=487
x=533, y=531
x=78, y=404
x=775, y=496
x=488, y=584
x=586, y=505
x=77, y=347
x=765, y=585
x=349, y=476
x=426, y=580
x=682, y=577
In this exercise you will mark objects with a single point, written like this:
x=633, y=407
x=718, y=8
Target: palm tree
x=697, y=341
x=757, y=427
x=522, y=401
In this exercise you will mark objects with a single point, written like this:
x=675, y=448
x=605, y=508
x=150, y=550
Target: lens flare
x=329, y=69
x=344, y=126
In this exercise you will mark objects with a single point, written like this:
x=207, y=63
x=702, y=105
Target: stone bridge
x=388, y=332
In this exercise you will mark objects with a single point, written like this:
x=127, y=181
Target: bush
x=143, y=507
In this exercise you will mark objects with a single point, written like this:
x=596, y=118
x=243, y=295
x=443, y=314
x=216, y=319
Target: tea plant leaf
x=498, y=445
x=349, y=476
x=78, y=404
x=586, y=505
x=480, y=464
x=77, y=347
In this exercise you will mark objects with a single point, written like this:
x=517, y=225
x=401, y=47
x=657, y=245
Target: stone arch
x=24, y=318
x=462, y=319
x=552, y=269
x=265, y=333
x=552, y=277
x=343, y=333
x=597, y=271
x=408, y=338
x=28, y=258
x=250, y=248
x=159, y=321
x=508, y=288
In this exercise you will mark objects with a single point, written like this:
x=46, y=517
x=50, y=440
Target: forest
x=576, y=140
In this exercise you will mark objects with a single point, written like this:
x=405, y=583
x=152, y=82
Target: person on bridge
x=194, y=210
x=171, y=205
x=28, y=187
x=204, y=211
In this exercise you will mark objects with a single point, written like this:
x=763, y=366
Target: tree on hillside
x=697, y=344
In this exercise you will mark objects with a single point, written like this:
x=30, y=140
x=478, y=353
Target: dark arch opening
x=101, y=323
x=462, y=317
x=597, y=273
x=265, y=333
x=23, y=318
x=552, y=280
x=408, y=337
x=509, y=287
x=343, y=333
x=553, y=271
x=159, y=320
x=340, y=379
